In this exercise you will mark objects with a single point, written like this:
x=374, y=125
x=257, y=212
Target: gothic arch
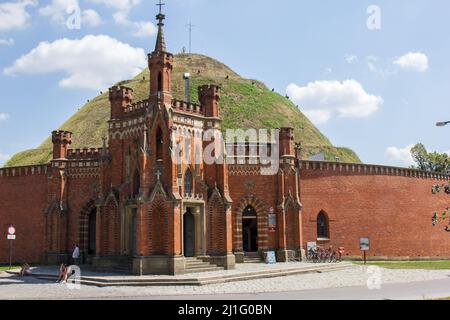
x=110, y=227
x=83, y=224
x=53, y=226
x=292, y=224
x=261, y=212
x=158, y=225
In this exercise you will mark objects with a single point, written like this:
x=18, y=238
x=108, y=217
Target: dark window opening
x=188, y=188
x=92, y=230
x=160, y=86
x=249, y=212
x=136, y=184
x=159, y=145
x=323, y=231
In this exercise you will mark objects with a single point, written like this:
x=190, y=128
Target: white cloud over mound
x=413, y=61
x=401, y=155
x=93, y=62
x=4, y=116
x=321, y=100
x=13, y=15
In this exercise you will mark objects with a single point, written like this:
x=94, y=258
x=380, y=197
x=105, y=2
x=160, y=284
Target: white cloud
x=141, y=29
x=384, y=70
x=350, y=58
x=60, y=10
x=122, y=8
x=93, y=62
x=144, y=29
x=4, y=116
x=413, y=61
x=7, y=42
x=318, y=116
x=14, y=15
x=118, y=4
x=323, y=99
x=400, y=155
x=91, y=18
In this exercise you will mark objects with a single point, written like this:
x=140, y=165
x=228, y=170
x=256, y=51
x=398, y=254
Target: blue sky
x=377, y=91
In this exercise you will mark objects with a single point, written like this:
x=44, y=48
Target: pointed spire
x=160, y=41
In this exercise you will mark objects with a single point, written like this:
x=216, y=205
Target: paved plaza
x=363, y=278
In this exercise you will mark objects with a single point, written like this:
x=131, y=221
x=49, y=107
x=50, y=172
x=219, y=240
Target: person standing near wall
x=76, y=255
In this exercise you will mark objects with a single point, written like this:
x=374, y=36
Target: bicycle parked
x=321, y=255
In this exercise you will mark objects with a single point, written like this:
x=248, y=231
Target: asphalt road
x=400, y=291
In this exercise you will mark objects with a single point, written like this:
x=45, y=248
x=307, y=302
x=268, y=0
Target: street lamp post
x=442, y=124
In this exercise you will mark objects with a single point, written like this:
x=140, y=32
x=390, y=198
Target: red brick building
x=131, y=205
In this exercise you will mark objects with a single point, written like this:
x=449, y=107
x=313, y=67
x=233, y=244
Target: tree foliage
x=430, y=161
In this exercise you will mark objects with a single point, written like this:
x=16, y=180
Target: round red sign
x=11, y=231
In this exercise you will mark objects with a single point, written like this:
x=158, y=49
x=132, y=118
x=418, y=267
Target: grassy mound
x=245, y=104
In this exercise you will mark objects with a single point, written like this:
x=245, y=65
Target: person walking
x=76, y=255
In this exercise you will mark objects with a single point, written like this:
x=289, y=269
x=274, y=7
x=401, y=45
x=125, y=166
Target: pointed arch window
x=323, y=230
x=188, y=183
x=136, y=183
x=160, y=84
x=159, y=144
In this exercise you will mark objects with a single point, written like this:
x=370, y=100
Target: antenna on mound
x=190, y=25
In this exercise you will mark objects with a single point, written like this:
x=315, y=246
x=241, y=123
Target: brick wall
x=22, y=203
x=394, y=208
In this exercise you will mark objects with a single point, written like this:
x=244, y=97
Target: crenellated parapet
x=61, y=141
x=24, y=171
x=368, y=169
x=83, y=154
x=187, y=107
x=137, y=107
x=209, y=97
x=120, y=98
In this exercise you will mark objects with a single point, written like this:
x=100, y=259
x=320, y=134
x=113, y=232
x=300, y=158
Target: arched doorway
x=92, y=232
x=250, y=229
x=189, y=234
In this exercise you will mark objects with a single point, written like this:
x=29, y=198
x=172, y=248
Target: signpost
x=364, y=244
x=11, y=236
x=271, y=257
x=272, y=220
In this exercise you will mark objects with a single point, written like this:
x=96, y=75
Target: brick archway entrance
x=92, y=233
x=259, y=209
x=88, y=229
x=189, y=234
x=249, y=230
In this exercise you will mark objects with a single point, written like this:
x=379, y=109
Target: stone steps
x=204, y=280
x=195, y=265
x=253, y=257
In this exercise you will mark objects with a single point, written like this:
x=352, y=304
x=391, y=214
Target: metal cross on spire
x=160, y=5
